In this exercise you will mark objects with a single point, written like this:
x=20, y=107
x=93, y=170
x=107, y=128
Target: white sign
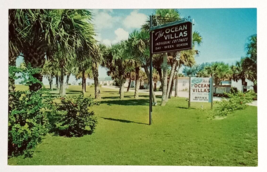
x=200, y=90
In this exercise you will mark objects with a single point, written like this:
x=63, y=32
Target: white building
x=106, y=81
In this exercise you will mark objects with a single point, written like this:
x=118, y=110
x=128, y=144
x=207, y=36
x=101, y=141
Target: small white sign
x=200, y=89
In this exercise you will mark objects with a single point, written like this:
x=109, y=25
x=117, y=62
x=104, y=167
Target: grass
x=177, y=136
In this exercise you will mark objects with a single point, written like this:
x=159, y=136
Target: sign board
x=172, y=38
x=200, y=89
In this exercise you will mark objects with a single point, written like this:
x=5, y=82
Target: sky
x=225, y=32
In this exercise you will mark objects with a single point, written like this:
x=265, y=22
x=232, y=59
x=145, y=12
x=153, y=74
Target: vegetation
x=236, y=101
x=73, y=118
x=27, y=115
x=177, y=136
x=58, y=43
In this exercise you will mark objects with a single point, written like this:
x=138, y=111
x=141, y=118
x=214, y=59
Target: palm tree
x=219, y=71
x=250, y=62
x=42, y=29
x=49, y=71
x=135, y=45
x=116, y=59
x=164, y=16
x=97, y=58
x=139, y=49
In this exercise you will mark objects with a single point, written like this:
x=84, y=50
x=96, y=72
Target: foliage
x=177, y=136
x=236, y=101
x=74, y=117
x=27, y=117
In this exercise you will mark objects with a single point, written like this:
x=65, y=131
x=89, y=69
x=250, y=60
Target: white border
x=127, y=4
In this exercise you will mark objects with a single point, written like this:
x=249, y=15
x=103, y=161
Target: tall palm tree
x=41, y=29
x=164, y=16
x=116, y=59
x=250, y=62
x=96, y=59
x=134, y=47
x=139, y=49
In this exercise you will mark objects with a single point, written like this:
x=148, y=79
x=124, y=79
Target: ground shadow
x=117, y=97
x=147, y=96
x=110, y=91
x=123, y=120
x=139, y=102
x=182, y=107
x=73, y=91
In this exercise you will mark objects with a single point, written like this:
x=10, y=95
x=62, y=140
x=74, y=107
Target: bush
x=74, y=118
x=27, y=117
x=236, y=101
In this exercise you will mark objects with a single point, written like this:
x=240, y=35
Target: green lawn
x=177, y=136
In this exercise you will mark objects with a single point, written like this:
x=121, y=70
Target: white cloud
x=121, y=35
x=135, y=20
x=98, y=37
x=103, y=20
x=106, y=42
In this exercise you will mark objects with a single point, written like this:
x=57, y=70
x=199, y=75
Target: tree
x=135, y=45
x=139, y=48
x=116, y=60
x=164, y=16
x=39, y=30
x=250, y=62
x=219, y=71
x=96, y=59
x=49, y=70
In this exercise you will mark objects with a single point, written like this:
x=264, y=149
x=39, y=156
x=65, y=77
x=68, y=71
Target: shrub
x=74, y=117
x=236, y=101
x=27, y=116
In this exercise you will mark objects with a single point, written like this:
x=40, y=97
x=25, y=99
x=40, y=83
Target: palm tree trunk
x=97, y=92
x=176, y=87
x=137, y=82
x=170, y=93
x=130, y=80
x=57, y=78
x=11, y=84
x=35, y=56
x=61, y=82
x=83, y=82
x=159, y=70
x=68, y=78
x=50, y=80
x=171, y=79
x=121, y=91
x=174, y=66
x=154, y=100
x=176, y=83
x=95, y=74
x=164, y=86
x=121, y=88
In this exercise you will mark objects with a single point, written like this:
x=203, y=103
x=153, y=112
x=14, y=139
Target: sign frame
x=209, y=94
x=161, y=27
